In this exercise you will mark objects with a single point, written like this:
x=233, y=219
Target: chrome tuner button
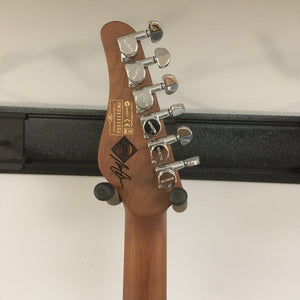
x=143, y=96
x=166, y=173
x=105, y=191
x=151, y=122
x=128, y=43
x=136, y=70
x=158, y=148
x=154, y=31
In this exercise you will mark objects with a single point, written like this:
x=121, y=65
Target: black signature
x=118, y=171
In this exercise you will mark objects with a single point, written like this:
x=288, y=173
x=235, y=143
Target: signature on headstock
x=124, y=149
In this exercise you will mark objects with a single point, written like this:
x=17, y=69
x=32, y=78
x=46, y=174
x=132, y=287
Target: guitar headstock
x=135, y=155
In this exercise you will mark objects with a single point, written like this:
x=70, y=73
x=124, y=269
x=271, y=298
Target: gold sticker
x=120, y=117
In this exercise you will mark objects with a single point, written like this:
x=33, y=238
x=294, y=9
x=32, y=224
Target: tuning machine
x=158, y=148
x=151, y=122
x=143, y=96
x=135, y=70
x=166, y=173
x=128, y=43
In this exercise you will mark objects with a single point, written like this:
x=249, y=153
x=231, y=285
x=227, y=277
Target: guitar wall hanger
x=255, y=148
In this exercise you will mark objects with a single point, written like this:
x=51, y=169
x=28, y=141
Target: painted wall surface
x=237, y=241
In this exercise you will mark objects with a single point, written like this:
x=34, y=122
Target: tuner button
x=155, y=31
x=170, y=84
x=105, y=191
x=166, y=179
x=178, y=197
x=162, y=57
x=176, y=109
x=184, y=135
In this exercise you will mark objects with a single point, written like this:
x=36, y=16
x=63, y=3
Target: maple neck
x=145, y=257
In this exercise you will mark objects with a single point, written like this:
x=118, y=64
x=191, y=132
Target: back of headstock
x=136, y=158
x=134, y=146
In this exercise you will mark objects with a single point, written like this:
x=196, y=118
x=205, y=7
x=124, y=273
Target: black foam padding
x=104, y=191
x=230, y=147
x=178, y=196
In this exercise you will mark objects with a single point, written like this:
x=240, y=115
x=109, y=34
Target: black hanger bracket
x=231, y=147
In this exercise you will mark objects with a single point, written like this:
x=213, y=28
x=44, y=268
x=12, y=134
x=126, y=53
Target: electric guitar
x=136, y=158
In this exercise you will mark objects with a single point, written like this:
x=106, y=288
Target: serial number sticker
x=120, y=118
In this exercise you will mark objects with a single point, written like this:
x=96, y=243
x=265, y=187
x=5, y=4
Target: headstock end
x=125, y=155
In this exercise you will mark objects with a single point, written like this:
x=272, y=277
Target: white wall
x=237, y=240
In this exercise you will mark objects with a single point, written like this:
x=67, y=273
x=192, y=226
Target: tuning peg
x=178, y=198
x=136, y=70
x=105, y=191
x=143, y=96
x=128, y=43
x=151, y=122
x=166, y=173
x=158, y=148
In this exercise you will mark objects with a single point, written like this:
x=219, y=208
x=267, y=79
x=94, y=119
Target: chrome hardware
x=166, y=173
x=143, y=96
x=151, y=122
x=128, y=43
x=158, y=148
x=136, y=70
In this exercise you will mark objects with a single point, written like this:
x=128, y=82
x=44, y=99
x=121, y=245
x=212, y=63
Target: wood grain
x=145, y=257
x=140, y=194
x=145, y=204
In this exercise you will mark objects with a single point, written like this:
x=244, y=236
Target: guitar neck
x=136, y=158
x=145, y=257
